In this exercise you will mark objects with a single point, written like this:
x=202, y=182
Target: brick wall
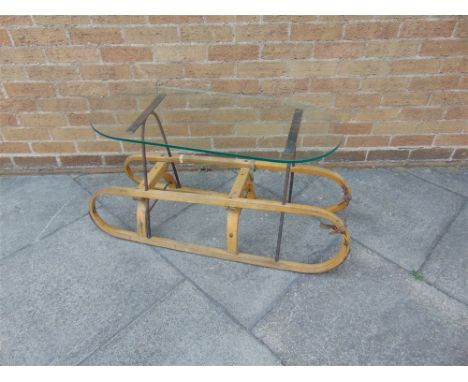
x=398, y=84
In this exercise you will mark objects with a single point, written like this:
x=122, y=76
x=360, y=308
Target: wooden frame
x=161, y=185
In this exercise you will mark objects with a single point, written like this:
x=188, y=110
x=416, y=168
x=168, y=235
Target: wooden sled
x=161, y=185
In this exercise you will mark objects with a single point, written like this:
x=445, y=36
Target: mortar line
x=132, y=320
x=442, y=234
x=405, y=270
x=16, y=251
x=437, y=185
x=38, y=237
x=221, y=306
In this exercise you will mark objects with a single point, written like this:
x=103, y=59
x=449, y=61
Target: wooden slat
x=240, y=183
x=154, y=175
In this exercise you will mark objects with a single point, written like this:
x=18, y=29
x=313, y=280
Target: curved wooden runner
x=242, y=196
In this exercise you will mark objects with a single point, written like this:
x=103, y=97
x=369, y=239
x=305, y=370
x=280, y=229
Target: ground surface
x=70, y=294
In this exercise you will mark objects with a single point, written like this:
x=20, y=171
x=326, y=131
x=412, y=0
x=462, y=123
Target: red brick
x=421, y=114
x=444, y=48
x=334, y=84
x=12, y=73
x=114, y=160
x=439, y=28
x=365, y=67
x=431, y=153
x=29, y=89
x=314, y=32
x=393, y=48
x=415, y=66
x=4, y=38
x=462, y=28
x=218, y=19
x=171, y=19
x=369, y=31
x=286, y=51
x=357, y=100
x=61, y=20
x=217, y=70
x=367, y=141
x=346, y=156
x=17, y=105
x=260, y=69
x=52, y=72
x=53, y=147
x=281, y=86
x=434, y=82
x=6, y=163
x=411, y=140
x=83, y=89
x=351, y=128
x=72, y=54
x=459, y=112
x=151, y=35
x=234, y=142
x=460, y=154
x=62, y=104
x=262, y=32
x=288, y=18
x=21, y=55
x=99, y=147
x=14, y=147
x=180, y=53
x=126, y=54
x=339, y=49
x=119, y=19
x=42, y=119
x=8, y=120
x=105, y=72
x=233, y=52
x=73, y=134
x=35, y=161
x=236, y=86
x=158, y=71
x=15, y=20
x=376, y=155
x=39, y=36
x=451, y=140
x=84, y=36
x=192, y=33
x=81, y=160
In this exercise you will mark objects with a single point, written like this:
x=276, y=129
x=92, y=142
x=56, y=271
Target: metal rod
x=287, y=191
x=163, y=134
x=290, y=151
x=145, y=177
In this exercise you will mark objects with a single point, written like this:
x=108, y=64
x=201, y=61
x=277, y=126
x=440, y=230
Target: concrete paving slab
x=447, y=265
x=396, y=213
x=246, y=291
x=65, y=295
x=31, y=207
x=454, y=179
x=185, y=329
x=366, y=312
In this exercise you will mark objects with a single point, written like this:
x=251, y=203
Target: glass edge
x=219, y=153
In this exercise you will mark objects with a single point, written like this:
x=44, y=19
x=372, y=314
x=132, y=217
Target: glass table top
x=288, y=129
